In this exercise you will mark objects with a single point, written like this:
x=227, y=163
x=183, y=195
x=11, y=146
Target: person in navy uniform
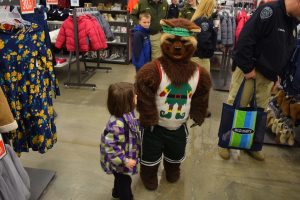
x=173, y=11
x=265, y=45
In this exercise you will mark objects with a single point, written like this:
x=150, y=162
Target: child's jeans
x=122, y=187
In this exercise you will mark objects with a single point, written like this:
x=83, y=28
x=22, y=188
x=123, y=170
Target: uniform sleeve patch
x=266, y=13
x=204, y=26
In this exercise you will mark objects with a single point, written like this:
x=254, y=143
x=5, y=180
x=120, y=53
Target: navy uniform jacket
x=173, y=11
x=267, y=41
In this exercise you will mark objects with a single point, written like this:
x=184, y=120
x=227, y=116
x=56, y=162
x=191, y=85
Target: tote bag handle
x=238, y=97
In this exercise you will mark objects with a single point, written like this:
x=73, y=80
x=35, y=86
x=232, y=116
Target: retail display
x=283, y=117
x=56, y=14
x=84, y=44
x=119, y=48
x=28, y=81
x=226, y=32
x=90, y=34
x=29, y=84
x=291, y=80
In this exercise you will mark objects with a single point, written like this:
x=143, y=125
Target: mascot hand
x=162, y=94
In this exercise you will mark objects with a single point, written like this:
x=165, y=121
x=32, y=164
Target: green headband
x=177, y=31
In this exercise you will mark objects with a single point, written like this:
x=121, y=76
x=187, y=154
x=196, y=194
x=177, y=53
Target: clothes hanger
x=13, y=18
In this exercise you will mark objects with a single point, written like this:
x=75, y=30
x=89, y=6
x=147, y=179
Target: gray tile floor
x=75, y=158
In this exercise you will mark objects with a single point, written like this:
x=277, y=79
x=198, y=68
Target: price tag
x=52, y=2
x=2, y=148
x=27, y=6
x=74, y=2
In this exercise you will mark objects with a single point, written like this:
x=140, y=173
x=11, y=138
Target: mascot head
x=177, y=41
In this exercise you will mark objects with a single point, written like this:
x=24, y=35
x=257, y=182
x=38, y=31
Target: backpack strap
x=157, y=63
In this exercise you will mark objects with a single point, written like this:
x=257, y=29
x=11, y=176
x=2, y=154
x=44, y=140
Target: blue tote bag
x=242, y=128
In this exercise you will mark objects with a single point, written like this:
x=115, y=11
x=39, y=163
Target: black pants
x=122, y=187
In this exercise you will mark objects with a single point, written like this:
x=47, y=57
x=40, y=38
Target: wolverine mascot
x=170, y=90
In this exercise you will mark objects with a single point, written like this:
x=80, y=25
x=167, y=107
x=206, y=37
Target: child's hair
x=120, y=98
x=145, y=15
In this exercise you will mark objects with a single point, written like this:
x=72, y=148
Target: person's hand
x=250, y=75
x=130, y=163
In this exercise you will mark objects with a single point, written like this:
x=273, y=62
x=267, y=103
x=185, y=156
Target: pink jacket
x=90, y=34
x=241, y=20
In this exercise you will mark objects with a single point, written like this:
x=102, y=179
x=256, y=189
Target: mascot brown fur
x=175, y=64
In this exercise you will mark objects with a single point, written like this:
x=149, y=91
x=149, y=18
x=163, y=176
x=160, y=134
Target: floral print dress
x=28, y=80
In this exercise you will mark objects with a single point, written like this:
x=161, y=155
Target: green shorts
x=158, y=140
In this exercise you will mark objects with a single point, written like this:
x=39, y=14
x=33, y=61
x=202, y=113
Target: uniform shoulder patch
x=204, y=26
x=266, y=12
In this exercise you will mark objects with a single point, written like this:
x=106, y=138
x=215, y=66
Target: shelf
x=270, y=140
x=119, y=23
x=117, y=43
x=120, y=33
x=67, y=61
x=114, y=11
x=116, y=61
x=55, y=22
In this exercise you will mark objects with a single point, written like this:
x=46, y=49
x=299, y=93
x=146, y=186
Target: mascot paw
x=172, y=171
x=199, y=123
x=148, y=175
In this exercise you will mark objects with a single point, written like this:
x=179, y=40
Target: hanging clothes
x=227, y=30
x=90, y=34
x=241, y=19
x=105, y=26
x=14, y=180
x=38, y=17
x=28, y=80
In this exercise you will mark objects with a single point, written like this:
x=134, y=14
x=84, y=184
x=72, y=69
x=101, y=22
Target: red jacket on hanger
x=90, y=34
x=241, y=20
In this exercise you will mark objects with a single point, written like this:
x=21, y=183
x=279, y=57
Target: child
x=141, y=46
x=120, y=141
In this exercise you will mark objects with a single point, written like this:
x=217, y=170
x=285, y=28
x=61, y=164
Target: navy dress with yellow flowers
x=29, y=82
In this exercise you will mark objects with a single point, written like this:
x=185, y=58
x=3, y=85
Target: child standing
x=120, y=141
x=141, y=45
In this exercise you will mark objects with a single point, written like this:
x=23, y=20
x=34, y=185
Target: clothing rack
x=221, y=78
x=39, y=178
x=89, y=70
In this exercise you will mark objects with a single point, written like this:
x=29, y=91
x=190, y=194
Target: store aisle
x=81, y=118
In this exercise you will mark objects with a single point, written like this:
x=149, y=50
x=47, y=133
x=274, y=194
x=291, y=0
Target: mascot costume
x=170, y=90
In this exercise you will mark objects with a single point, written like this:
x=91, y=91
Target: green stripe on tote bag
x=243, y=128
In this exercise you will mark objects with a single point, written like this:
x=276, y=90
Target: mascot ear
x=163, y=22
x=182, y=23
